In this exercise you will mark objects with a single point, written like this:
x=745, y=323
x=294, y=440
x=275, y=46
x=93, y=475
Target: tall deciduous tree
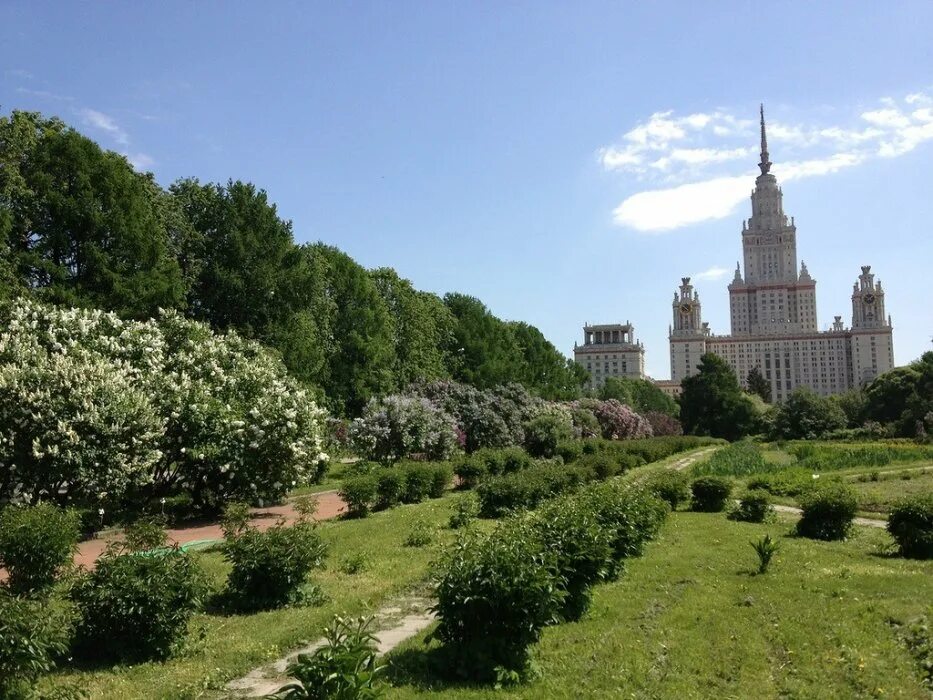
x=83, y=228
x=641, y=394
x=240, y=252
x=713, y=403
x=360, y=364
x=757, y=384
x=422, y=328
x=807, y=416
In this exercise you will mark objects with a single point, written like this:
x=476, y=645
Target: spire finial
x=765, y=164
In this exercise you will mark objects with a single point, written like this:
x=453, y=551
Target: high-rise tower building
x=773, y=311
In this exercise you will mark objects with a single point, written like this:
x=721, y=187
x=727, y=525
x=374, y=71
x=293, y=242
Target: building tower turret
x=688, y=332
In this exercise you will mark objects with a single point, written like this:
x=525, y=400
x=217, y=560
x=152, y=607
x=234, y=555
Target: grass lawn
x=878, y=496
x=690, y=620
x=223, y=647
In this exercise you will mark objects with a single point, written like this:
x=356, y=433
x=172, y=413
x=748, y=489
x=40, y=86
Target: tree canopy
x=642, y=395
x=712, y=402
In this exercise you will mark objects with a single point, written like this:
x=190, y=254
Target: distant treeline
x=80, y=227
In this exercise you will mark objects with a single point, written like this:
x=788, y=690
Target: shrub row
x=497, y=591
x=385, y=487
x=624, y=454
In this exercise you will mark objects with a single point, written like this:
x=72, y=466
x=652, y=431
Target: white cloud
x=713, y=273
x=106, y=123
x=662, y=210
x=690, y=160
x=140, y=161
x=892, y=118
x=20, y=73
x=44, y=94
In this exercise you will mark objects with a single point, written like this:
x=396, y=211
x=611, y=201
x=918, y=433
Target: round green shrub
x=568, y=528
x=359, y=493
x=709, y=494
x=418, y=481
x=441, y=475
x=495, y=593
x=470, y=470
x=603, y=465
x=911, y=525
x=390, y=487
x=32, y=635
x=269, y=568
x=632, y=516
x=570, y=450
x=828, y=511
x=135, y=608
x=670, y=486
x=544, y=433
x=36, y=542
x=754, y=507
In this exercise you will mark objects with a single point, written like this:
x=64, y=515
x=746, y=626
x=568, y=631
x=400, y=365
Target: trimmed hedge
x=828, y=511
x=359, y=493
x=754, y=507
x=670, y=486
x=36, y=542
x=709, y=494
x=527, y=489
x=497, y=591
x=911, y=525
x=135, y=607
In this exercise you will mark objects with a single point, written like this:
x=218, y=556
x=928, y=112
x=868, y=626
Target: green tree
x=83, y=228
x=804, y=415
x=713, y=403
x=642, y=395
x=903, y=397
x=485, y=353
x=361, y=361
x=757, y=384
x=240, y=252
x=853, y=403
x=542, y=367
x=422, y=328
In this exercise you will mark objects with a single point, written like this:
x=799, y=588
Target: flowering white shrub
x=92, y=403
x=396, y=426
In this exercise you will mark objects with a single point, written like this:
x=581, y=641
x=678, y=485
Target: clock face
x=685, y=308
x=869, y=298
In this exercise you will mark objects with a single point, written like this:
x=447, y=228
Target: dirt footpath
x=329, y=505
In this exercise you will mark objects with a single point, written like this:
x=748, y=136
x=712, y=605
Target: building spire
x=765, y=164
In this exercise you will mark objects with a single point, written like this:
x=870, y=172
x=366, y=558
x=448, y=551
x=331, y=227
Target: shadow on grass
x=426, y=666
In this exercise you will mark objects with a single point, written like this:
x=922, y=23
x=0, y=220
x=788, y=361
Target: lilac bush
x=663, y=424
x=397, y=426
x=618, y=422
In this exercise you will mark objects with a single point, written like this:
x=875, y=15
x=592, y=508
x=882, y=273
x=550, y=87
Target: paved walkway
x=398, y=620
x=330, y=505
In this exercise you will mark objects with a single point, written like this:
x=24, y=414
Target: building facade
x=610, y=350
x=773, y=312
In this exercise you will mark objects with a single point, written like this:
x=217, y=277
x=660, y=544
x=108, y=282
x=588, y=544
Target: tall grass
x=738, y=459
x=821, y=457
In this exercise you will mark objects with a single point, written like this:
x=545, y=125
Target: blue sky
x=564, y=162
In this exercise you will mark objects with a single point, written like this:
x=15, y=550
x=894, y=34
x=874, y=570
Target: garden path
x=329, y=503
x=400, y=619
x=870, y=522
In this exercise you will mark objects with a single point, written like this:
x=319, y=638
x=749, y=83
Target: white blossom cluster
x=396, y=426
x=91, y=404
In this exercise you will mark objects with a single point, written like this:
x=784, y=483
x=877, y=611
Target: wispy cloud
x=688, y=163
x=713, y=273
x=20, y=73
x=44, y=94
x=106, y=123
x=110, y=126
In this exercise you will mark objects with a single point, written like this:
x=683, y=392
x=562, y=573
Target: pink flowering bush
x=618, y=422
x=663, y=424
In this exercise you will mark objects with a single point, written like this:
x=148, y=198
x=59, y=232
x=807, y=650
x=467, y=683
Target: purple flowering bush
x=618, y=422
x=663, y=424
x=397, y=426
